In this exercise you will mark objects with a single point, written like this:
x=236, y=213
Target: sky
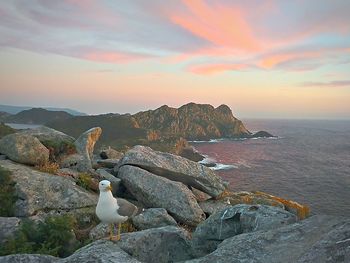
x=264, y=59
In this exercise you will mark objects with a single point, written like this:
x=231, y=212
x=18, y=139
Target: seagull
x=109, y=211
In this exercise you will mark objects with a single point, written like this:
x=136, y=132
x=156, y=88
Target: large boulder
x=8, y=227
x=156, y=191
x=28, y=258
x=153, y=218
x=110, y=153
x=24, y=149
x=59, y=143
x=85, y=146
x=318, y=239
x=175, y=168
x=164, y=244
x=101, y=251
x=41, y=192
x=236, y=220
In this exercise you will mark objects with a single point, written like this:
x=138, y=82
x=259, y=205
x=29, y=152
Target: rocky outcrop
x=323, y=238
x=156, y=191
x=164, y=244
x=236, y=220
x=102, y=251
x=193, y=121
x=24, y=149
x=262, y=134
x=28, y=258
x=110, y=153
x=8, y=227
x=174, y=168
x=42, y=192
x=108, y=163
x=85, y=146
x=153, y=218
x=234, y=198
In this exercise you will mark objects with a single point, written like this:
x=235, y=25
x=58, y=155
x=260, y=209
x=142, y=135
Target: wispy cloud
x=329, y=84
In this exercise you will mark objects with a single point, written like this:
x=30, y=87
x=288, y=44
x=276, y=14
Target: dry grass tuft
x=49, y=167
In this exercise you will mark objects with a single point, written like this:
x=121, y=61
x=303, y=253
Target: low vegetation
x=8, y=195
x=54, y=236
x=86, y=181
x=58, y=148
x=49, y=167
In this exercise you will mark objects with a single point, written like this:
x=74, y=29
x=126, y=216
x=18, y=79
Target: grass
x=87, y=182
x=8, y=195
x=58, y=148
x=5, y=130
x=49, y=167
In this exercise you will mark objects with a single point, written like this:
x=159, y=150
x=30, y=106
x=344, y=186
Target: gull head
x=105, y=186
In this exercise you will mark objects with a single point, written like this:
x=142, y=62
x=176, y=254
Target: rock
x=236, y=220
x=28, y=258
x=191, y=154
x=108, y=163
x=175, y=168
x=85, y=145
x=164, y=244
x=200, y=196
x=319, y=237
x=156, y=191
x=101, y=251
x=262, y=134
x=38, y=191
x=58, y=143
x=153, y=218
x=73, y=161
x=24, y=149
x=110, y=153
x=234, y=198
x=3, y=157
x=100, y=231
x=115, y=182
x=8, y=227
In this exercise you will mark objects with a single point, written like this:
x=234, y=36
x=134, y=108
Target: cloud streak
x=329, y=84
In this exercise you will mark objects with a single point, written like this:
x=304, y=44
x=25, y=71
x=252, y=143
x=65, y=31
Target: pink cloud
x=221, y=25
x=112, y=56
x=215, y=68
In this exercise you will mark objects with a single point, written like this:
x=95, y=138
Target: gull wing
x=126, y=208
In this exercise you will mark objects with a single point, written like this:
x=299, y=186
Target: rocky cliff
x=193, y=121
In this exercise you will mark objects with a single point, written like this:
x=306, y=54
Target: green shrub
x=58, y=148
x=54, y=237
x=86, y=181
x=5, y=130
x=8, y=195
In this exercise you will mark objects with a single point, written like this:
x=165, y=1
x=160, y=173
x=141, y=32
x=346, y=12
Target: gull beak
x=109, y=188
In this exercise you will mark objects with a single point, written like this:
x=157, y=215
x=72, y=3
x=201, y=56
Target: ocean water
x=309, y=162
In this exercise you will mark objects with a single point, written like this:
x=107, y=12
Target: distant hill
x=160, y=128
x=193, y=121
x=3, y=116
x=16, y=109
x=37, y=116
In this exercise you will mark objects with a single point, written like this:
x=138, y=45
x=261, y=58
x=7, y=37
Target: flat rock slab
x=28, y=258
x=101, y=251
x=174, y=168
x=236, y=220
x=153, y=218
x=40, y=191
x=161, y=245
x=157, y=191
x=318, y=239
x=108, y=163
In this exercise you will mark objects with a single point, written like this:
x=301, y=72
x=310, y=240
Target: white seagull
x=108, y=210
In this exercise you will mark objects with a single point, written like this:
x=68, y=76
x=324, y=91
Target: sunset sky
x=265, y=59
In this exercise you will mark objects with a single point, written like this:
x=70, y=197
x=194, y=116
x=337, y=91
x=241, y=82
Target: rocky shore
x=186, y=212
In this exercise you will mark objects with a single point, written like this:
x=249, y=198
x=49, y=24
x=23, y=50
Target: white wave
x=221, y=166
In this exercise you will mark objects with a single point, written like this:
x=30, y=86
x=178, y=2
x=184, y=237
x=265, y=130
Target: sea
x=308, y=162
